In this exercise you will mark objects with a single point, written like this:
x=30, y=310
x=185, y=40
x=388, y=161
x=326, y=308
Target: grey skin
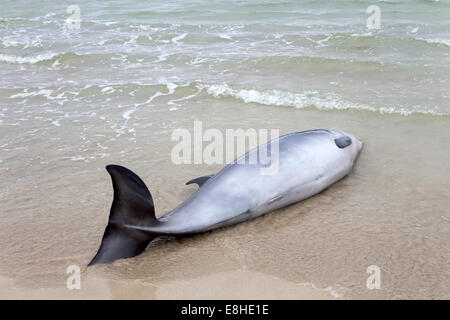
x=308, y=163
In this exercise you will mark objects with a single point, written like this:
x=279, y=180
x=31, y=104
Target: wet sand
x=113, y=92
x=392, y=211
x=212, y=287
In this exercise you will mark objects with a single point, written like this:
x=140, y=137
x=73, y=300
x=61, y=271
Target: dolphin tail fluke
x=131, y=211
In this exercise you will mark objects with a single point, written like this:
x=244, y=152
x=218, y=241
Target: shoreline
x=220, y=286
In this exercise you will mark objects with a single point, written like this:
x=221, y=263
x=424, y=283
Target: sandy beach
x=212, y=287
x=73, y=101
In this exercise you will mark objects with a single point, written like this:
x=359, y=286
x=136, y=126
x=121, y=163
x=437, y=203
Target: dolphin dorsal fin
x=200, y=180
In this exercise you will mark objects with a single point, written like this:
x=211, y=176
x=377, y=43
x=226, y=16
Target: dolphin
x=308, y=163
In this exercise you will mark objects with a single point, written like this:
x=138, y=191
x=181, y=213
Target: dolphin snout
x=360, y=145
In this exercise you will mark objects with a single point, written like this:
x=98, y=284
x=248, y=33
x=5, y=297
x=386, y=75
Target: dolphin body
x=308, y=162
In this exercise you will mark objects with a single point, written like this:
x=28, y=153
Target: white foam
x=321, y=42
x=335, y=292
x=132, y=40
x=179, y=37
x=225, y=36
x=162, y=57
x=108, y=90
x=43, y=92
x=27, y=60
x=362, y=35
x=171, y=87
x=445, y=42
x=157, y=94
x=174, y=104
x=198, y=60
x=77, y=158
x=126, y=115
x=24, y=42
x=10, y=43
x=307, y=99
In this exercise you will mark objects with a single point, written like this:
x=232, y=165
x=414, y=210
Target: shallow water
x=73, y=101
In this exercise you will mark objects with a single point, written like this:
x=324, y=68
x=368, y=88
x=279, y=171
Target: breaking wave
x=27, y=59
x=307, y=99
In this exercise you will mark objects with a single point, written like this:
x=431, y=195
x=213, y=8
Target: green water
x=113, y=91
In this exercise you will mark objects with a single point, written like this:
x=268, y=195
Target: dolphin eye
x=343, y=141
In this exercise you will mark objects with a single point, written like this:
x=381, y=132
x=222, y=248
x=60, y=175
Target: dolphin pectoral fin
x=275, y=199
x=131, y=211
x=200, y=180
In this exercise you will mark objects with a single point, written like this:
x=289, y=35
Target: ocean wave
x=27, y=59
x=307, y=99
x=23, y=43
x=444, y=42
x=58, y=58
x=327, y=101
